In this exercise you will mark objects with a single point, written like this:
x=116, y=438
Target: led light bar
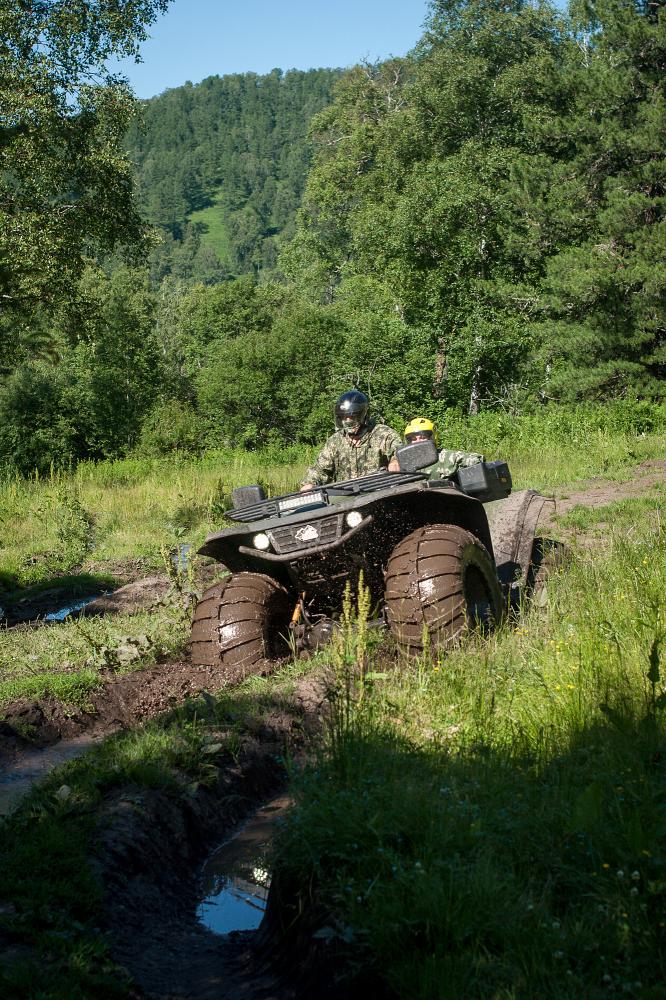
x=301, y=500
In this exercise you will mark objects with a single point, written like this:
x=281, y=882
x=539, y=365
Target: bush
x=171, y=426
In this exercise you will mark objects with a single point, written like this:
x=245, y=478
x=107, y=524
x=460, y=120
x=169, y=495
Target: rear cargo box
x=486, y=481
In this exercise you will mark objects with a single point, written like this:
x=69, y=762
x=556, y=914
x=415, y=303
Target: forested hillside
x=481, y=227
x=221, y=169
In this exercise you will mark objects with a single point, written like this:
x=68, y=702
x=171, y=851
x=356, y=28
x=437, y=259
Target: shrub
x=171, y=426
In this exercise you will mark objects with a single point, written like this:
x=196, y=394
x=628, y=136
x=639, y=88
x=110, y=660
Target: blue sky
x=200, y=38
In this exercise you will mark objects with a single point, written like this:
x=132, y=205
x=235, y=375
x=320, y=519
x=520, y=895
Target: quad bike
x=437, y=556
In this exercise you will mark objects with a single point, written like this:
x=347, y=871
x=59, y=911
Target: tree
x=604, y=295
x=428, y=179
x=65, y=182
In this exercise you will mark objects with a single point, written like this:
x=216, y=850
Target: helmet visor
x=418, y=436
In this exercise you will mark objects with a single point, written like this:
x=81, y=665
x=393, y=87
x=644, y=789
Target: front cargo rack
x=350, y=488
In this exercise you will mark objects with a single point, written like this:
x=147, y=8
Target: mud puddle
x=235, y=879
x=17, y=778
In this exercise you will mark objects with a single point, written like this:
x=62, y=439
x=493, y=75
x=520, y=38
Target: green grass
x=490, y=822
x=117, y=517
x=65, y=659
x=136, y=509
x=216, y=235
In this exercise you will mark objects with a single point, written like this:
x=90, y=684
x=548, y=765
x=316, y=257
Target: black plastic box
x=486, y=481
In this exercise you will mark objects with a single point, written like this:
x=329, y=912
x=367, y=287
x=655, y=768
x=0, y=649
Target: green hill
x=221, y=168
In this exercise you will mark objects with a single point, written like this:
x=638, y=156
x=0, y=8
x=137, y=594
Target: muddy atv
x=438, y=556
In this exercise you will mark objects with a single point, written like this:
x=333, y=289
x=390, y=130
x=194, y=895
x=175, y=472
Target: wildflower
x=635, y=876
x=620, y=873
x=605, y=865
x=571, y=686
x=634, y=891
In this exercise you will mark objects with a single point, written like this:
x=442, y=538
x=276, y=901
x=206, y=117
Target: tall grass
x=136, y=508
x=490, y=822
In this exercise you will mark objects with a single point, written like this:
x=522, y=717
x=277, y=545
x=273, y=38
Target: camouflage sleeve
x=323, y=470
x=389, y=443
x=450, y=461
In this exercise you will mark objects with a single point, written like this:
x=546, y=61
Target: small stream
x=235, y=879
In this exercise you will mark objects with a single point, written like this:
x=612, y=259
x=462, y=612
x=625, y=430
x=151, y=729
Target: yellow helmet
x=419, y=429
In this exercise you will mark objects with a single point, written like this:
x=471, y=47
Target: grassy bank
x=122, y=516
x=490, y=822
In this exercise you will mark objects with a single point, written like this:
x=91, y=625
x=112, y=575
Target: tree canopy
x=65, y=182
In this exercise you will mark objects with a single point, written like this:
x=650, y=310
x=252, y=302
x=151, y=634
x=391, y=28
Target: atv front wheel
x=440, y=579
x=241, y=624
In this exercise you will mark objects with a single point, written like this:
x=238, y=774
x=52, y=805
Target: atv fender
x=513, y=523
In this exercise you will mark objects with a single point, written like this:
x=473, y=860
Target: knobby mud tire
x=440, y=578
x=240, y=625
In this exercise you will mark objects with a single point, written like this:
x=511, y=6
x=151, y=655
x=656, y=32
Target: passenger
x=358, y=448
x=448, y=462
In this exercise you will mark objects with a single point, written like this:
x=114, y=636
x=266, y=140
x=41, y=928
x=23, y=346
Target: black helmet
x=351, y=411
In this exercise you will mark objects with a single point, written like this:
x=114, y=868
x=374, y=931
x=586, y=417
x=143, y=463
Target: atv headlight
x=261, y=541
x=354, y=518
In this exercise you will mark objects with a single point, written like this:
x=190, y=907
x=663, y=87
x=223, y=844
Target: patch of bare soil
x=128, y=599
x=601, y=492
x=120, y=703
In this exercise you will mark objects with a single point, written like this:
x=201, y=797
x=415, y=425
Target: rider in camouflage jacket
x=358, y=448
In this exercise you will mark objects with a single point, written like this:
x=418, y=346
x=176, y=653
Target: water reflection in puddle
x=62, y=613
x=235, y=879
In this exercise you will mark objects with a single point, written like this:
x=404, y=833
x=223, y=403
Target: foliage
x=221, y=167
x=90, y=398
x=504, y=187
x=604, y=293
x=65, y=183
x=170, y=427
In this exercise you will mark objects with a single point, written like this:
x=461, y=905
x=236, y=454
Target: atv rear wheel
x=241, y=624
x=440, y=579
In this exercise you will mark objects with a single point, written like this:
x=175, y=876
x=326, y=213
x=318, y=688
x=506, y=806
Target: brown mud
x=599, y=492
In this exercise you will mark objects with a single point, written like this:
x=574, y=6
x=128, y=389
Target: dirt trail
x=601, y=492
x=151, y=844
